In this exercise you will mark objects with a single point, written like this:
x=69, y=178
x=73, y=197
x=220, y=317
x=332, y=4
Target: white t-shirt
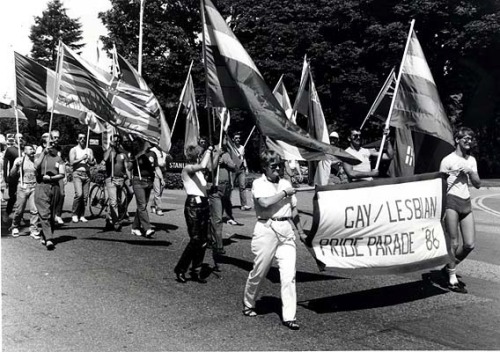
x=458, y=183
x=262, y=188
x=362, y=154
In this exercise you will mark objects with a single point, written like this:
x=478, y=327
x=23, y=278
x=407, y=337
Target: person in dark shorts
x=461, y=168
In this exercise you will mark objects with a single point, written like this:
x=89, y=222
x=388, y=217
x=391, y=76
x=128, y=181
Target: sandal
x=249, y=312
x=291, y=324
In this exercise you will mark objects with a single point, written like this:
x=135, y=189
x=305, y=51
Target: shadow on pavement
x=164, y=226
x=274, y=274
x=62, y=239
x=374, y=298
x=148, y=242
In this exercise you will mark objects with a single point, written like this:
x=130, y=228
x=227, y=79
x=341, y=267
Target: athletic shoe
x=159, y=212
x=457, y=288
x=74, y=218
x=59, y=220
x=15, y=232
x=82, y=219
x=232, y=222
x=50, y=245
x=153, y=209
x=291, y=324
x=35, y=235
x=149, y=233
x=136, y=232
x=246, y=208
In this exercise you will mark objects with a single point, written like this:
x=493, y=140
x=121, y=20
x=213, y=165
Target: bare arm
x=353, y=174
x=266, y=202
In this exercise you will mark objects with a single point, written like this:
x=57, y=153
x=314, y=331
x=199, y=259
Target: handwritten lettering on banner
x=386, y=225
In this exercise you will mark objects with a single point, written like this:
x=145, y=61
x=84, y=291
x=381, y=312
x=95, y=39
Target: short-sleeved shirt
x=147, y=163
x=362, y=154
x=458, y=183
x=48, y=166
x=10, y=155
x=225, y=168
x=262, y=188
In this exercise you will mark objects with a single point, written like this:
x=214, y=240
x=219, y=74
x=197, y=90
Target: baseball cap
x=334, y=135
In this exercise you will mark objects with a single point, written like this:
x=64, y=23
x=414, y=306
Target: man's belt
x=276, y=219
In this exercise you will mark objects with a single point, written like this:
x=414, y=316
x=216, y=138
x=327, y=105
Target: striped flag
x=35, y=90
x=417, y=107
x=281, y=95
x=380, y=107
x=79, y=79
x=192, y=130
x=135, y=100
x=246, y=85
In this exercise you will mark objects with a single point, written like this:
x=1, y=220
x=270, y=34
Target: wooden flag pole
x=139, y=56
x=18, y=142
x=220, y=152
x=388, y=121
x=248, y=138
x=207, y=96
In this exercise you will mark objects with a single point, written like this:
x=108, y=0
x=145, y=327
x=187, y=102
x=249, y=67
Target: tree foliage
x=352, y=45
x=54, y=25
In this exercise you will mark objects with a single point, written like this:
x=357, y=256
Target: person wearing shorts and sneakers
x=462, y=169
x=274, y=237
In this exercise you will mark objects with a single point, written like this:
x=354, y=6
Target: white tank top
x=195, y=184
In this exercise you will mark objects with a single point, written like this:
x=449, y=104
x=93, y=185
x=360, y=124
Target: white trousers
x=266, y=245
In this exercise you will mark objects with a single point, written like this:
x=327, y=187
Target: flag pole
x=207, y=98
x=220, y=151
x=18, y=141
x=388, y=121
x=248, y=138
x=88, y=137
x=376, y=102
x=181, y=98
x=139, y=58
x=55, y=91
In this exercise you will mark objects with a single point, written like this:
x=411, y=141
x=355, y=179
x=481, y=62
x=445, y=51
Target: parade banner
x=382, y=226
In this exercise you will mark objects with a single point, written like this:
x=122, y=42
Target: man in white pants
x=274, y=237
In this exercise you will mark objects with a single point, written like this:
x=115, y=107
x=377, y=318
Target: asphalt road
x=108, y=291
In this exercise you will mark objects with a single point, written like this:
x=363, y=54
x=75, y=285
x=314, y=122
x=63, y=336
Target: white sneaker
x=82, y=219
x=232, y=222
x=74, y=218
x=35, y=235
x=149, y=233
x=15, y=232
x=136, y=232
x=59, y=220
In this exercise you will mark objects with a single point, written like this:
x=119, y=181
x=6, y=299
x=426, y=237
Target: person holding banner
x=49, y=171
x=196, y=213
x=81, y=158
x=461, y=167
x=24, y=168
x=274, y=237
x=143, y=166
x=363, y=171
x=115, y=159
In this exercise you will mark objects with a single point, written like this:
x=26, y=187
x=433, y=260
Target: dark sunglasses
x=275, y=166
x=355, y=136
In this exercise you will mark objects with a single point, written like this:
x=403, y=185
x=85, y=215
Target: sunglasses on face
x=355, y=136
x=275, y=166
x=467, y=139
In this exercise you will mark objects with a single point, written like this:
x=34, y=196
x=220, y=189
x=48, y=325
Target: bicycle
x=98, y=201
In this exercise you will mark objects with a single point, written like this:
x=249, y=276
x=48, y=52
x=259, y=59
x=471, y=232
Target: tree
x=54, y=25
x=352, y=45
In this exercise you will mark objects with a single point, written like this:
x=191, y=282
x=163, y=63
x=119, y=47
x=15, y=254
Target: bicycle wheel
x=97, y=200
x=122, y=203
